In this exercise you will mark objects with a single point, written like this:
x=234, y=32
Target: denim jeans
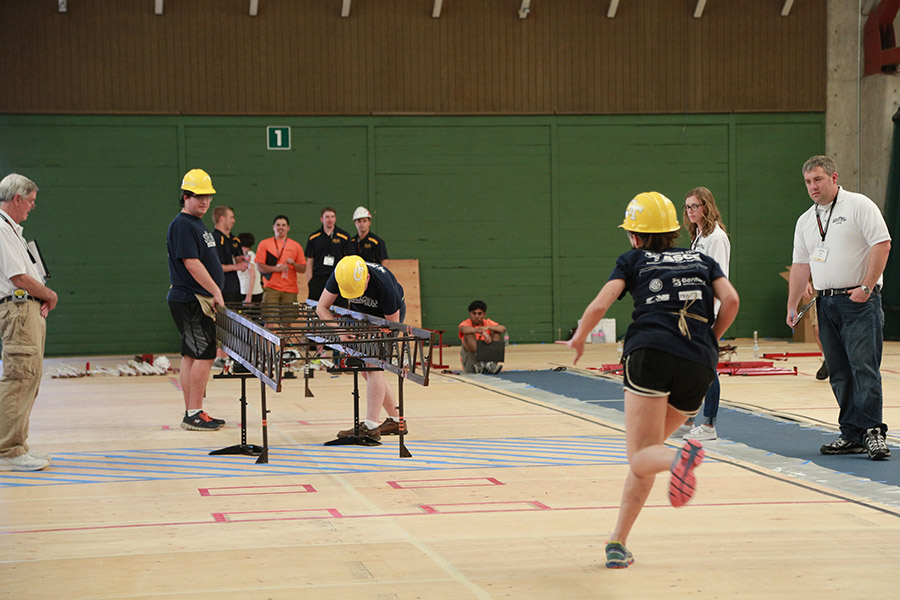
x=851, y=336
x=711, y=403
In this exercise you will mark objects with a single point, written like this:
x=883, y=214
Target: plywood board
x=406, y=271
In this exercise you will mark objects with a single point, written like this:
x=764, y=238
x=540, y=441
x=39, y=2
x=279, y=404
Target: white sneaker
x=38, y=455
x=682, y=431
x=702, y=433
x=492, y=368
x=23, y=463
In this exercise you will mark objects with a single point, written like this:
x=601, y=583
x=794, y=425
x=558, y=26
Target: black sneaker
x=822, y=373
x=842, y=446
x=213, y=419
x=201, y=422
x=875, y=444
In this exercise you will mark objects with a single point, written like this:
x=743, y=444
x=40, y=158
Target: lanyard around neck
x=823, y=231
x=21, y=239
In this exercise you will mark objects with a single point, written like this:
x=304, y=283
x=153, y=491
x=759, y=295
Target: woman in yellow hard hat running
x=670, y=353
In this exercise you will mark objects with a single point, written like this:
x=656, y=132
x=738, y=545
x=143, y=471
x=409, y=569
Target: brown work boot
x=363, y=432
x=392, y=427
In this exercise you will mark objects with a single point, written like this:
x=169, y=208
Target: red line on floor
x=226, y=518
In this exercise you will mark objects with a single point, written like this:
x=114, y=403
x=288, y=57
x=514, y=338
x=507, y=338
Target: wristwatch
x=866, y=289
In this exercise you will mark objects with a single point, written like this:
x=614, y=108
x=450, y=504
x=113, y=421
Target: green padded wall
x=521, y=212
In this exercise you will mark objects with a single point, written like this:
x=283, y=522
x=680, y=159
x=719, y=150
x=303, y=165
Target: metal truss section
x=257, y=336
x=259, y=350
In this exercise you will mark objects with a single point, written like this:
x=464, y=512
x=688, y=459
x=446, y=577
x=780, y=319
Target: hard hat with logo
x=650, y=212
x=361, y=212
x=352, y=275
x=198, y=182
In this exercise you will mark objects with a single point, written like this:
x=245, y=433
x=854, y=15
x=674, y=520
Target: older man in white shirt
x=25, y=303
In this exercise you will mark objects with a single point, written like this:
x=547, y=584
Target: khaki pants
x=22, y=332
x=271, y=296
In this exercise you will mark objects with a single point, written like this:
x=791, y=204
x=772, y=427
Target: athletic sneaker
x=875, y=444
x=683, y=430
x=479, y=367
x=25, y=462
x=219, y=362
x=392, y=427
x=683, y=482
x=842, y=446
x=617, y=556
x=38, y=455
x=364, y=431
x=822, y=373
x=492, y=368
x=201, y=422
x=702, y=433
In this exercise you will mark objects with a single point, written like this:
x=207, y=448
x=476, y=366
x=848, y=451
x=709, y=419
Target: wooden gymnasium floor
x=507, y=495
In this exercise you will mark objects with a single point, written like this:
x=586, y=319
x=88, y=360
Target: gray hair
x=14, y=184
x=820, y=161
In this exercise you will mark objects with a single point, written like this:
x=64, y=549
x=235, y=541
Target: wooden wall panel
x=299, y=57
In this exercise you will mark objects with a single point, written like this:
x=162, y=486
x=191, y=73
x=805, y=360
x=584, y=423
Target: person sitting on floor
x=478, y=327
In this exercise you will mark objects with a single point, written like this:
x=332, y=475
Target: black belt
x=843, y=291
x=10, y=298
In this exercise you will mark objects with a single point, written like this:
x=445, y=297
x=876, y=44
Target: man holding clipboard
x=279, y=259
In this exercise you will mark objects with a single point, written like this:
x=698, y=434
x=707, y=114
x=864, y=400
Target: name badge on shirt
x=328, y=261
x=820, y=254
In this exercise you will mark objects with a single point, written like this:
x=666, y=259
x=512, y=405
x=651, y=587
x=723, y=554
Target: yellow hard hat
x=198, y=182
x=650, y=212
x=352, y=275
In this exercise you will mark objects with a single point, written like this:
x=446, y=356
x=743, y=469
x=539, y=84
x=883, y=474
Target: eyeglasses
x=692, y=207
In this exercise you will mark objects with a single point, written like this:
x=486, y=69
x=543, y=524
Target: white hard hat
x=361, y=212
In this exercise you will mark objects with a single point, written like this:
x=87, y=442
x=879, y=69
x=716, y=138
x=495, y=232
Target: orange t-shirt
x=287, y=280
x=484, y=323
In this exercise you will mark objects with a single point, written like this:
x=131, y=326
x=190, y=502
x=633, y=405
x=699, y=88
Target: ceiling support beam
x=786, y=9
x=698, y=10
x=524, y=9
x=345, y=8
x=613, y=7
x=436, y=11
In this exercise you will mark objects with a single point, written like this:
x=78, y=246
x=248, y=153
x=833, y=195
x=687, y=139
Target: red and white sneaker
x=683, y=482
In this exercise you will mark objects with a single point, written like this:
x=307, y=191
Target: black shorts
x=198, y=332
x=651, y=372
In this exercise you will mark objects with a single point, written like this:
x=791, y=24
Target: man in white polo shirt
x=843, y=241
x=25, y=303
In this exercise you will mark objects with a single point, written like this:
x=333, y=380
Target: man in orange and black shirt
x=478, y=327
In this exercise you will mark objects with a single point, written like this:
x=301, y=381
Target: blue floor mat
x=760, y=431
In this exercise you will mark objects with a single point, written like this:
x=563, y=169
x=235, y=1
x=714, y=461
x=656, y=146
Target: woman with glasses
x=704, y=224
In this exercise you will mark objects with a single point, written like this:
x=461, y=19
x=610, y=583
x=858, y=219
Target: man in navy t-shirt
x=196, y=278
x=373, y=290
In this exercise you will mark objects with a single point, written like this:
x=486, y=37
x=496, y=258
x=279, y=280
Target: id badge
x=820, y=255
x=328, y=261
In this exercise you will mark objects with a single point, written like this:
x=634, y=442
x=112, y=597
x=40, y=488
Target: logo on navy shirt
x=209, y=239
x=656, y=285
x=672, y=257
